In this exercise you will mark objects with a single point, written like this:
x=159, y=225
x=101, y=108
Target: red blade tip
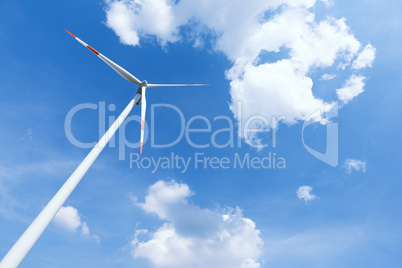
x=70, y=33
x=93, y=50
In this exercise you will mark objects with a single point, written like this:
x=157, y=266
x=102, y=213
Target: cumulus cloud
x=131, y=19
x=162, y=196
x=195, y=237
x=365, y=58
x=245, y=33
x=69, y=219
x=353, y=87
x=306, y=193
x=354, y=164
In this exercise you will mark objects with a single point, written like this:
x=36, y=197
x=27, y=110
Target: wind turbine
x=24, y=244
x=142, y=86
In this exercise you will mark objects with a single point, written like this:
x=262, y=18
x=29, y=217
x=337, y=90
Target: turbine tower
x=28, y=239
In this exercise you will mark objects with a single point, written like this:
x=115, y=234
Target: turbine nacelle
x=141, y=90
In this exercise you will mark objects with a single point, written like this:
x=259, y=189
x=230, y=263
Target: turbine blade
x=121, y=71
x=143, y=110
x=177, y=85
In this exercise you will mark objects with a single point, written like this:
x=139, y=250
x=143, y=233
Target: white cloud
x=353, y=87
x=131, y=19
x=119, y=18
x=365, y=58
x=327, y=77
x=354, y=164
x=306, y=193
x=85, y=229
x=68, y=218
x=195, y=237
x=243, y=32
x=162, y=195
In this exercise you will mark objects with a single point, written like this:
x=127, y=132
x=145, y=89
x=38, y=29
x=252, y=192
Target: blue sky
x=344, y=218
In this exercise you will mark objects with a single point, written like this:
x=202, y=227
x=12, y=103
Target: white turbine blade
x=121, y=71
x=177, y=85
x=143, y=110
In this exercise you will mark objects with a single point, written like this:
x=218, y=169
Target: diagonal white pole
x=28, y=239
